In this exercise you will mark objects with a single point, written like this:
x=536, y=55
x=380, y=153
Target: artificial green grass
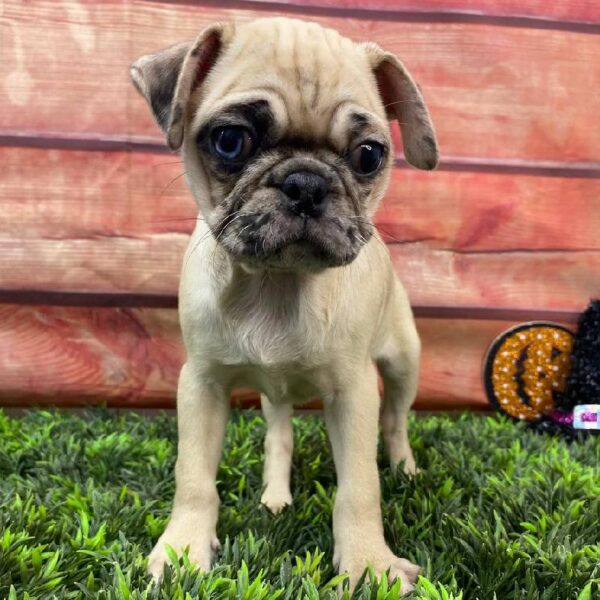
x=495, y=512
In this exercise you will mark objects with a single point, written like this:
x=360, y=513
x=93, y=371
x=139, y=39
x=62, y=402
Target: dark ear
x=167, y=79
x=155, y=77
x=403, y=101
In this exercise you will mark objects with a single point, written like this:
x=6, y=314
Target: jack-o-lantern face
x=526, y=369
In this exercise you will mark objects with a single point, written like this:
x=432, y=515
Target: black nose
x=306, y=193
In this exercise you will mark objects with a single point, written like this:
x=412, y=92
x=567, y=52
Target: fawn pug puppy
x=286, y=286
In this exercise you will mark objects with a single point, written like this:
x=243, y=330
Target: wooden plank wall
x=94, y=217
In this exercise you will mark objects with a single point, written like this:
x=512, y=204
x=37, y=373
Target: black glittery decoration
x=583, y=383
x=550, y=427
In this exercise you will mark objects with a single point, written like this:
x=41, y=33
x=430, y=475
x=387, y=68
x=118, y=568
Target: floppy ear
x=167, y=79
x=403, y=101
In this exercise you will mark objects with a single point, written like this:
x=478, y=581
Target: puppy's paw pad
x=276, y=499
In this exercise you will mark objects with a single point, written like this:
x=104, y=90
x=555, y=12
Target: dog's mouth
x=281, y=240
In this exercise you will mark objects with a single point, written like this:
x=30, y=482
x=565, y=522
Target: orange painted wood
x=70, y=195
x=521, y=279
x=512, y=280
x=111, y=222
x=64, y=66
x=586, y=11
x=451, y=362
x=70, y=356
x=494, y=91
x=490, y=212
x=123, y=357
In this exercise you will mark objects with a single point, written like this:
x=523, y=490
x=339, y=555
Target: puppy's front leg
x=202, y=412
x=352, y=422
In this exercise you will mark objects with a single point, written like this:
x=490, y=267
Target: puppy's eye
x=232, y=143
x=366, y=158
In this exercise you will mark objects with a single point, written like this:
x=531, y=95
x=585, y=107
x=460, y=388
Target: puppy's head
x=283, y=130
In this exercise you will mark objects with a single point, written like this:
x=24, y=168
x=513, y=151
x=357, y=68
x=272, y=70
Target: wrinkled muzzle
x=293, y=213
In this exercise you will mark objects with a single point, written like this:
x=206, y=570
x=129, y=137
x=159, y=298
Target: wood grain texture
x=119, y=222
x=136, y=143
x=65, y=66
x=488, y=212
x=496, y=92
x=70, y=356
x=131, y=357
x=521, y=279
x=582, y=11
x=511, y=86
x=515, y=280
x=69, y=195
x=66, y=194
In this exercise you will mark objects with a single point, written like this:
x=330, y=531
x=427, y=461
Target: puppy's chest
x=264, y=336
x=283, y=358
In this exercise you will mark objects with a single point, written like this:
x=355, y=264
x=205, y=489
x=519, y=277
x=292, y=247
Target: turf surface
x=495, y=512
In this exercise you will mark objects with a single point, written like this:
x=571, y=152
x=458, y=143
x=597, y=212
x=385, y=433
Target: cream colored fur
x=293, y=335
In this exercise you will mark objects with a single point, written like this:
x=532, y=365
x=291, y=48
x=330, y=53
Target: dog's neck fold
x=244, y=290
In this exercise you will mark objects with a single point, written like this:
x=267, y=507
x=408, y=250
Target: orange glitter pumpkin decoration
x=526, y=369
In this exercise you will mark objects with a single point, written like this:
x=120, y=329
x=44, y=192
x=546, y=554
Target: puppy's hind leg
x=279, y=443
x=398, y=363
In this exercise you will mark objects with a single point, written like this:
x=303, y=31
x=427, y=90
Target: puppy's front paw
x=276, y=498
x=381, y=560
x=180, y=535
